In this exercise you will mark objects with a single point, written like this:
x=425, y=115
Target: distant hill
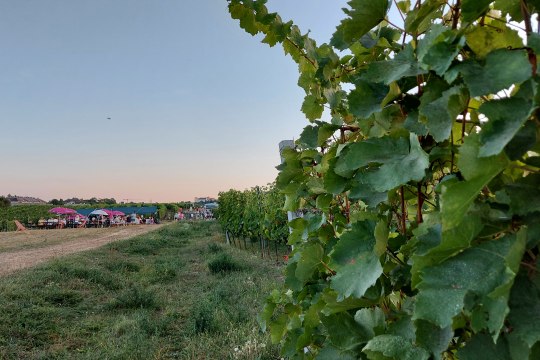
x=24, y=200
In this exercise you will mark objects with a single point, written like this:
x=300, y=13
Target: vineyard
x=255, y=215
x=418, y=178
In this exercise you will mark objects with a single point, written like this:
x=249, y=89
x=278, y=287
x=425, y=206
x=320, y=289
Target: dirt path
x=23, y=250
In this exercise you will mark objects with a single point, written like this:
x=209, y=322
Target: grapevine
x=422, y=228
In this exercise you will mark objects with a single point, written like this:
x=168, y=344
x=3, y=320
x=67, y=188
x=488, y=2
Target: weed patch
x=203, y=318
x=120, y=265
x=92, y=275
x=134, y=298
x=214, y=248
x=223, y=263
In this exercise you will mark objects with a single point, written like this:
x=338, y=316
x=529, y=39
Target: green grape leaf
x=325, y=131
x=363, y=16
x=245, y=16
x=323, y=201
x=357, y=267
x=413, y=124
x=478, y=271
x=524, y=314
x=506, y=117
x=400, y=170
x=457, y=196
x=481, y=347
x=432, y=337
x=372, y=321
x=333, y=183
x=438, y=48
x=333, y=306
x=357, y=276
x=291, y=281
x=360, y=189
x=316, y=185
x=419, y=19
x=402, y=65
x=524, y=194
x=401, y=161
x=312, y=108
x=511, y=66
x=441, y=113
x=309, y=262
x=373, y=150
x=278, y=328
x=344, y=332
x=329, y=352
x=381, y=237
x=360, y=239
x=484, y=39
x=309, y=136
x=512, y=8
x=366, y=98
x=523, y=141
x=435, y=246
x=385, y=347
x=473, y=9
x=472, y=166
x=298, y=227
x=533, y=41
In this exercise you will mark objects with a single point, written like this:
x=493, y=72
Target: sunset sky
x=145, y=100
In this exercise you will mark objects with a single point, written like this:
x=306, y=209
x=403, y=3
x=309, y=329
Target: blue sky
x=196, y=105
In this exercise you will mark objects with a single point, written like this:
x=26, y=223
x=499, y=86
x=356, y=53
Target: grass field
x=172, y=293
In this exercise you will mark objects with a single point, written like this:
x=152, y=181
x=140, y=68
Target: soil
x=20, y=250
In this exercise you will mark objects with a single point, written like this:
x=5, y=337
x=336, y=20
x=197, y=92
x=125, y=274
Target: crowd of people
x=69, y=218
x=94, y=220
x=200, y=213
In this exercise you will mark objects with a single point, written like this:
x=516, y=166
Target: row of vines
x=419, y=175
x=254, y=217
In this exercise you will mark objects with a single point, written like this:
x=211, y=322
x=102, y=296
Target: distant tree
x=4, y=202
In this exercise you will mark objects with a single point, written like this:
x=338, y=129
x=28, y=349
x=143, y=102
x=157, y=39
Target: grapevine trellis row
x=419, y=174
x=255, y=215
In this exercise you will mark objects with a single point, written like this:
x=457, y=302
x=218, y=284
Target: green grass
x=150, y=297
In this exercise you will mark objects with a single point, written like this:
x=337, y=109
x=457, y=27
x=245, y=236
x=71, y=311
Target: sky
x=145, y=100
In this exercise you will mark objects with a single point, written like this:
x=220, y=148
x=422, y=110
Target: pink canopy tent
x=109, y=212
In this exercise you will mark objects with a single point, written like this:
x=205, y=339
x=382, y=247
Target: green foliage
x=253, y=213
x=4, y=202
x=420, y=194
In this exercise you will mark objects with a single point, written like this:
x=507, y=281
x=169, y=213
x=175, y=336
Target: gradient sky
x=196, y=105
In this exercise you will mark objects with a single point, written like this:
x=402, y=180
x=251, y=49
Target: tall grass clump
x=134, y=298
x=223, y=263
